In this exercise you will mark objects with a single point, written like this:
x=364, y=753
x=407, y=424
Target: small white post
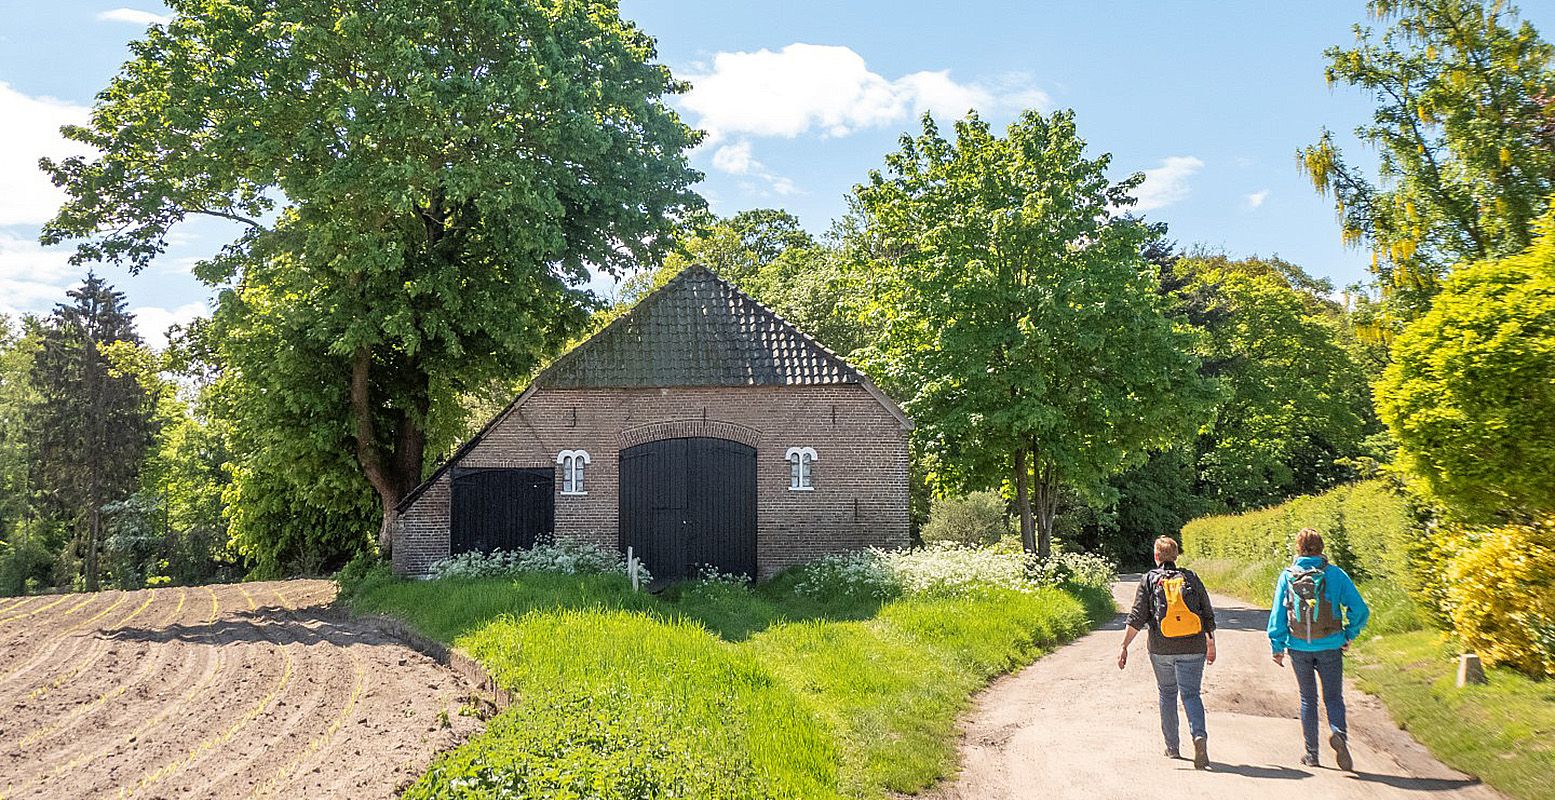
x=631, y=568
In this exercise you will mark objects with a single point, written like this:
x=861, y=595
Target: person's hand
x=1279, y=659
x=1209, y=653
x=1345, y=647
x=1123, y=658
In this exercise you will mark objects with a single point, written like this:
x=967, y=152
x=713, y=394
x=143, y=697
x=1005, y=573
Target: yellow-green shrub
x=1501, y=593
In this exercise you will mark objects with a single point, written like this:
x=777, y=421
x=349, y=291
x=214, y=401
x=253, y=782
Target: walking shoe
x=1342, y=752
x=1309, y=760
x=1171, y=752
x=1200, y=753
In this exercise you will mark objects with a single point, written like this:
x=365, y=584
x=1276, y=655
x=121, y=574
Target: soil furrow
x=219, y=691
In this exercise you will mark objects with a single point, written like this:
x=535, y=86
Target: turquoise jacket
x=1341, y=592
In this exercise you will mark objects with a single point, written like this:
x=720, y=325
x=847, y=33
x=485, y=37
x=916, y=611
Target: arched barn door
x=690, y=502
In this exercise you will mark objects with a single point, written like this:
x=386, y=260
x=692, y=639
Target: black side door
x=500, y=508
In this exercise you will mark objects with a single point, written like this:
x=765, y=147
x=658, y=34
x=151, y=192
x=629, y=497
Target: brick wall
x=860, y=475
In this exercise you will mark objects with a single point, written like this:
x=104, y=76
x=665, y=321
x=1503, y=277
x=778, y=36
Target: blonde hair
x=1309, y=542
x=1166, y=549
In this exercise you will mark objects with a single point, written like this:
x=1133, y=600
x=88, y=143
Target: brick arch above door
x=687, y=429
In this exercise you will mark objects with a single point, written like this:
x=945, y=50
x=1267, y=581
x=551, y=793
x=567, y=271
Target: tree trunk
x=1045, y=483
x=1028, y=540
x=93, y=534
x=395, y=476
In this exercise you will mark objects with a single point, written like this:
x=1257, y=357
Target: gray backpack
x=1310, y=613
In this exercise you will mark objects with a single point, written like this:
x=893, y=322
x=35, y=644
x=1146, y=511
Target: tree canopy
x=422, y=187
x=1465, y=129
x=1295, y=396
x=1470, y=394
x=1018, y=317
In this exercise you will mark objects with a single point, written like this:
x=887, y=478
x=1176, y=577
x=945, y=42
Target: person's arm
x=1138, y=618
x=1206, y=612
x=1279, y=626
x=1356, y=610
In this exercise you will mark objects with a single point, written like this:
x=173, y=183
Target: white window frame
x=573, y=472
x=801, y=474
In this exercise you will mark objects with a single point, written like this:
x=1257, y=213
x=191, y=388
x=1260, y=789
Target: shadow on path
x=1416, y=784
x=1263, y=773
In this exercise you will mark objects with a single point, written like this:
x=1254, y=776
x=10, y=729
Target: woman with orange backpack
x=1174, y=605
x=1317, y=612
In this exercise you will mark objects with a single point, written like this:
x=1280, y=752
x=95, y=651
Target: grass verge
x=1503, y=733
x=719, y=691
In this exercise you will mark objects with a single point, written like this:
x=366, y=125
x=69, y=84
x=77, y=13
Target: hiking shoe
x=1200, y=753
x=1309, y=760
x=1171, y=752
x=1342, y=752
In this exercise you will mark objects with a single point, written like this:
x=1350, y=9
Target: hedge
x=1368, y=528
x=1493, y=587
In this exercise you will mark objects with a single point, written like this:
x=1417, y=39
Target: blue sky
x=1209, y=99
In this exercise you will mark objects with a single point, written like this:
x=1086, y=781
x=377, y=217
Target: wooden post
x=1470, y=670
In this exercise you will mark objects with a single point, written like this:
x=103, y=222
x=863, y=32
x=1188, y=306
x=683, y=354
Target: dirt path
x=246, y=690
x=1073, y=726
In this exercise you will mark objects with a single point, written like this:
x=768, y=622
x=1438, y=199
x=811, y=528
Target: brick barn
x=698, y=428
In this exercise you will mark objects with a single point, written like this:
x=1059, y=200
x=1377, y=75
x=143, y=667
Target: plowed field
x=243, y=690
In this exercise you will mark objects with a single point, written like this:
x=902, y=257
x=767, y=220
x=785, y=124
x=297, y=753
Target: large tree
x=421, y=186
x=1464, y=126
x=1021, y=321
x=1295, y=394
x=91, y=424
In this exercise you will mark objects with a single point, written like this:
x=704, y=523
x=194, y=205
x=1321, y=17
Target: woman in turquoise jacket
x=1316, y=613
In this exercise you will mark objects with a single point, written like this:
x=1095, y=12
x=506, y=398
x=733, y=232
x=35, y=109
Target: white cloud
x=31, y=132
x=134, y=16
x=734, y=159
x=32, y=277
x=806, y=87
x=1256, y=199
x=153, y=321
x=1167, y=183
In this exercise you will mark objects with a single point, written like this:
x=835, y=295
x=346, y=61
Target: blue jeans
x=1327, y=665
x=1180, y=675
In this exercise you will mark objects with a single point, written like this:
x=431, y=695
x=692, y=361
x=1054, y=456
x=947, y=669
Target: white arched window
x=800, y=460
x=572, y=462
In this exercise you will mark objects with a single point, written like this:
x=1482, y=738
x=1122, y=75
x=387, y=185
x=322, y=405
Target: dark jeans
x=1179, y=675
x=1327, y=666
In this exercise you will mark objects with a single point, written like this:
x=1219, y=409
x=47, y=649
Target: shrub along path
x=1073, y=725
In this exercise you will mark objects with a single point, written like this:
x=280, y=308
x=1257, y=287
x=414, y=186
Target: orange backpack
x=1175, y=619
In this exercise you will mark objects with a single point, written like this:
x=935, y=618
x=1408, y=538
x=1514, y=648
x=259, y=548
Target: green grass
x=1502, y=732
x=719, y=692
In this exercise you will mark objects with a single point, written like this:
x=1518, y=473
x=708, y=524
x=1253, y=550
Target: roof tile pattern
x=698, y=330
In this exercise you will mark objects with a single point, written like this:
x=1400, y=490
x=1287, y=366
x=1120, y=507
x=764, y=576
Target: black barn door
x=500, y=509
x=690, y=502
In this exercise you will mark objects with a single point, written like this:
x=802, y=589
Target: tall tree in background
x=91, y=424
x=447, y=175
x=1465, y=128
x=1296, y=400
x=1021, y=321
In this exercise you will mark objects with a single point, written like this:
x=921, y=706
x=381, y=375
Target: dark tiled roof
x=697, y=330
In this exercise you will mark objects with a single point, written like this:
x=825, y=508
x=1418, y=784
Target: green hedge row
x=1369, y=529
